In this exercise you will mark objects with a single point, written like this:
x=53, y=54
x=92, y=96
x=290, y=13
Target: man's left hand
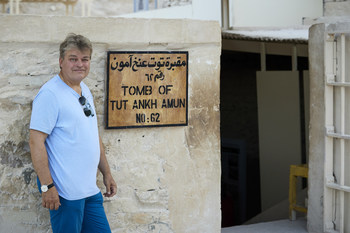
x=111, y=186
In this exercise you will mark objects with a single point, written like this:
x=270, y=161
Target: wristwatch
x=44, y=188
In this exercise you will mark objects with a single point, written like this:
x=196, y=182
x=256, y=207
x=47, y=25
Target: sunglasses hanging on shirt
x=87, y=107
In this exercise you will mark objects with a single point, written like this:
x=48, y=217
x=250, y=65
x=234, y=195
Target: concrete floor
x=280, y=226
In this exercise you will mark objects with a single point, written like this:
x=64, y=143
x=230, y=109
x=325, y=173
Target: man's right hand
x=50, y=199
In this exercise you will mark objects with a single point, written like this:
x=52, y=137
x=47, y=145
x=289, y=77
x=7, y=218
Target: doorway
x=240, y=155
x=239, y=136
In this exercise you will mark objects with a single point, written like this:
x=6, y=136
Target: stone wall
x=99, y=8
x=336, y=8
x=169, y=177
x=317, y=130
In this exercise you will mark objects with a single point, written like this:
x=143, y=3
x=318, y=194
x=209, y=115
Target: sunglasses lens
x=82, y=100
x=87, y=112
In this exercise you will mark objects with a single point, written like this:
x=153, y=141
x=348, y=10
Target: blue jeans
x=80, y=216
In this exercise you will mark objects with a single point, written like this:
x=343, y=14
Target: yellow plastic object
x=296, y=171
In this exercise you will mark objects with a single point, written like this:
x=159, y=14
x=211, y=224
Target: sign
x=147, y=89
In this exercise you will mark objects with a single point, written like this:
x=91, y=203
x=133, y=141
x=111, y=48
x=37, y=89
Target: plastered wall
x=168, y=177
x=273, y=13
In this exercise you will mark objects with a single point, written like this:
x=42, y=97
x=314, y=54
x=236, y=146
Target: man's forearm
x=50, y=199
x=39, y=156
x=103, y=166
x=111, y=186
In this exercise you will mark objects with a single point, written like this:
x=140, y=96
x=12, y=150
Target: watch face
x=44, y=188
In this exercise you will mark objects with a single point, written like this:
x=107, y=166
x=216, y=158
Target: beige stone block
x=337, y=8
x=50, y=29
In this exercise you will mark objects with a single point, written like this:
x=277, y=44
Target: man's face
x=75, y=65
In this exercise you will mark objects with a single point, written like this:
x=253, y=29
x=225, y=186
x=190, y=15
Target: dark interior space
x=239, y=124
x=240, y=185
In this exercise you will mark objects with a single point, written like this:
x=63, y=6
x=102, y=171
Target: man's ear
x=60, y=60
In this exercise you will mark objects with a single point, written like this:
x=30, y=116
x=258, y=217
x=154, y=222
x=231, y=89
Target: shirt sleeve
x=45, y=112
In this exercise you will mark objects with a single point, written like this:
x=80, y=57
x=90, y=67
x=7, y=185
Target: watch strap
x=50, y=186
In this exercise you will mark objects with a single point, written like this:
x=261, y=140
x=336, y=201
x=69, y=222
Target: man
x=65, y=146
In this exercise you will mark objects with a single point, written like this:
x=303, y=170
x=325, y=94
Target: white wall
x=243, y=13
x=273, y=13
x=279, y=132
x=199, y=9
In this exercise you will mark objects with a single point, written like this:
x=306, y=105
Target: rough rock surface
x=168, y=177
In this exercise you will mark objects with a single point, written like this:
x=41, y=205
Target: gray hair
x=74, y=41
